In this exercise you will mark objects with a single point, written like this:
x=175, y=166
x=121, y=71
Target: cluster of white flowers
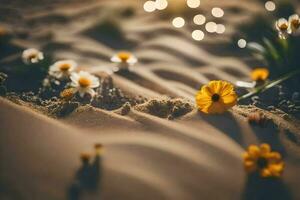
x=286, y=27
x=82, y=82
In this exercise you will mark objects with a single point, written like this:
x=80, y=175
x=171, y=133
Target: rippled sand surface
x=145, y=157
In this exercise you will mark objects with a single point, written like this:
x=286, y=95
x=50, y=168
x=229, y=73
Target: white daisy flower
x=124, y=59
x=294, y=23
x=84, y=82
x=62, y=69
x=282, y=27
x=32, y=55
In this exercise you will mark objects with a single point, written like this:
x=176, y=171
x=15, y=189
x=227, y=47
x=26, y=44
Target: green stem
x=269, y=85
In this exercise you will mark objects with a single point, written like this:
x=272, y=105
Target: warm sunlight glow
x=242, y=43
x=270, y=6
x=149, y=6
x=220, y=29
x=217, y=12
x=178, y=22
x=211, y=27
x=199, y=19
x=193, y=3
x=161, y=4
x=198, y=35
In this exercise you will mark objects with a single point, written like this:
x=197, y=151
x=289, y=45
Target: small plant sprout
x=124, y=59
x=62, y=69
x=216, y=97
x=98, y=149
x=32, y=56
x=294, y=23
x=85, y=157
x=84, y=83
x=282, y=26
x=262, y=160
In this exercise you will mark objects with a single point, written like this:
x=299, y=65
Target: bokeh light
x=270, y=6
x=198, y=35
x=193, y=3
x=211, y=27
x=217, y=12
x=242, y=43
x=199, y=19
x=149, y=6
x=178, y=22
x=161, y=4
x=220, y=29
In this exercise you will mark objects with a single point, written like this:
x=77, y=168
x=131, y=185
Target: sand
x=194, y=156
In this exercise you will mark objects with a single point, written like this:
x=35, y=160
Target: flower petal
x=274, y=157
x=215, y=86
x=203, y=99
x=254, y=151
x=216, y=108
x=250, y=166
x=276, y=169
x=91, y=92
x=230, y=100
x=265, y=172
x=265, y=149
x=116, y=59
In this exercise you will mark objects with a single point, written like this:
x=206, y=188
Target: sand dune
x=146, y=157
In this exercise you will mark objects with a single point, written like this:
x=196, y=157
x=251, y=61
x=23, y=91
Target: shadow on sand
x=258, y=188
x=226, y=123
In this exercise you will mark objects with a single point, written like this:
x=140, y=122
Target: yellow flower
x=67, y=94
x=264, y=161
x=216, y=97
x=124, y=59
x=260, y=74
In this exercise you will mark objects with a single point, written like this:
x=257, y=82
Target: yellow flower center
x=215, y=97
x=84, y=82
x=65, y=67
x=32, y=56
x=262, y=163
x=67, y=94
x=124, y=56
x=295, y=23
x=283, y=27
